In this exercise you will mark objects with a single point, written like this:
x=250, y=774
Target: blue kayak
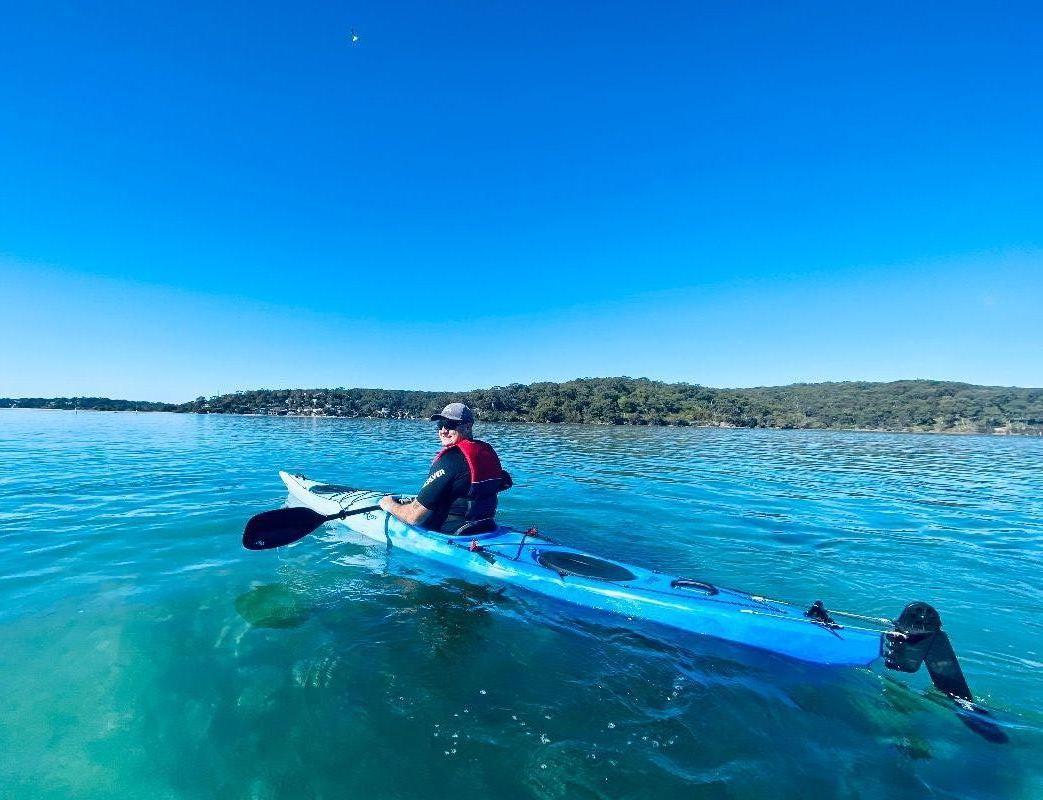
x=543, y=567
x=538, y=565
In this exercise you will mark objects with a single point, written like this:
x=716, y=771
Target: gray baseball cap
x=457, y=412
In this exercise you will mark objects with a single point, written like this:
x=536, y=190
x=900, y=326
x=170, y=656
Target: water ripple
x=164, y=643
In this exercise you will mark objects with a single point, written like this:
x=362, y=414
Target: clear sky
x=203, y=197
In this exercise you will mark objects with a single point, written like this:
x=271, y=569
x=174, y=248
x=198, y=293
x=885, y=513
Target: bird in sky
x=354, y=36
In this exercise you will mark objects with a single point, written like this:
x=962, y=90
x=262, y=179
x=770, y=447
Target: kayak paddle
x=283, y=526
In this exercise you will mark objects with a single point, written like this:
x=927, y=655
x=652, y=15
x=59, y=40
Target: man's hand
x=412, y=513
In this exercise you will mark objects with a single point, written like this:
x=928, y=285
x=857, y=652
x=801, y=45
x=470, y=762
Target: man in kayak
x=459, y=495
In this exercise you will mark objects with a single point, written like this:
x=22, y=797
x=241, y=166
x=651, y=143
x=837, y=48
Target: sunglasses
x=447, y=424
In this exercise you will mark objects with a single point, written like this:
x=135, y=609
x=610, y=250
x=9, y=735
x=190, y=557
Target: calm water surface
x=143, y=653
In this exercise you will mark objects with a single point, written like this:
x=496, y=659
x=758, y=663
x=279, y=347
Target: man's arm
x=412, y=513
x=438, y=483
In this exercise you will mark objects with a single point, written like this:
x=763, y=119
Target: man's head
x=455, y=422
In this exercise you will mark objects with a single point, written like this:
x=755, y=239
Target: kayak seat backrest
x=475, y=527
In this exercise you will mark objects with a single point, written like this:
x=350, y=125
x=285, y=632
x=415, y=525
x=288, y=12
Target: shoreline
x=700, y=426
x=906, y=406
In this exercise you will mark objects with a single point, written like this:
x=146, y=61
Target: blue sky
x=196, y=200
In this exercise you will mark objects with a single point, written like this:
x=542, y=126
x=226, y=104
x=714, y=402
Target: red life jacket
x=486, y=477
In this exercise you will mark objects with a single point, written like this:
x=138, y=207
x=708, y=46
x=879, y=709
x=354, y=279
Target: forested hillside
x=898, y=406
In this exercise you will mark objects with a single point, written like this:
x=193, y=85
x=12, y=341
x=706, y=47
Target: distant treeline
x=898, y=406
x=86, y=404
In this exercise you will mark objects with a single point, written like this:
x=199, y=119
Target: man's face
x=449, y=431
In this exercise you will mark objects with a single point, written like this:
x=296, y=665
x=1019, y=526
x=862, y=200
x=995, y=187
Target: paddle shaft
x=353, y=512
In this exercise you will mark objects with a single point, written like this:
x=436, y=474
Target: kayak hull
x=516, y=558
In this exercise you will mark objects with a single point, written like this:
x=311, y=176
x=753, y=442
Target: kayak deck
x=529, y=561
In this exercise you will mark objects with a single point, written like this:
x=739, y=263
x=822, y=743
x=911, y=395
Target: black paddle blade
x=280, y=527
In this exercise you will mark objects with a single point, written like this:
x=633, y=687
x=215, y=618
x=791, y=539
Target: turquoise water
x=145, y=654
